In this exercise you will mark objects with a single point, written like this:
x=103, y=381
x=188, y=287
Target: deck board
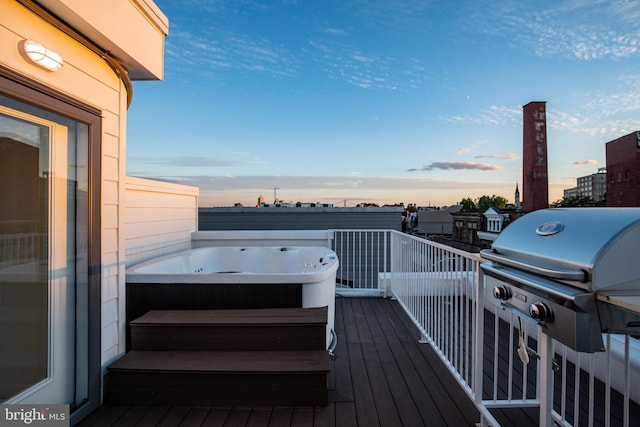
x=455, y=407
x=108, y=416
x=195, y=417
x=382, y=376
x=340, y=385
x=226, y=361
x=174, y=416
x=153, y=416
x=235, y=317
x=132, y=416
x=383, y=399
x=324, y=416
x=366, y=412
x=217, y=416
x=238, y=416
x=280, y=417
x=303, y=416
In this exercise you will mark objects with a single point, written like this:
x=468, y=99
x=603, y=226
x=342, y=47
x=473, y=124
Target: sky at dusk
x=382, y=101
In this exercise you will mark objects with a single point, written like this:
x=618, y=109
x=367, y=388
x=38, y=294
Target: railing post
x=545, y=388
x=392, y=260
x=478, y=339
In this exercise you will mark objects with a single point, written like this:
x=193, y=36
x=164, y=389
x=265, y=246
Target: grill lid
x=595, y=247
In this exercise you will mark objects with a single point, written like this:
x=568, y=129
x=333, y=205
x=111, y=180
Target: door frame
x=32, y=92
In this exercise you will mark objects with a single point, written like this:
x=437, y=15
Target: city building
x=436, y=221
x=281, y=204
x=495, y=221
x=593, y=186
x=535, y=181
x=474, y=229
x=466, y=225
x=623, y=171
x=277, y=203
x=300, y=218
x=570, y=193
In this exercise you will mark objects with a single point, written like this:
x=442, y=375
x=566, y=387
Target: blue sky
x=382, y=101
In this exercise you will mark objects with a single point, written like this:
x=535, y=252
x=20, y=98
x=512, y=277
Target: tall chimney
x=535, y=181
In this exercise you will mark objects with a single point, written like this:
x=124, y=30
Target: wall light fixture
x=42, y=56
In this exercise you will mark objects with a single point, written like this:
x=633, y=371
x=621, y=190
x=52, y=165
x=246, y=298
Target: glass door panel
x=24, y=172
x=42, y=250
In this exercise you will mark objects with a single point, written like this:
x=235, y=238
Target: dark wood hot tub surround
x=143, y=297
x=273, y=356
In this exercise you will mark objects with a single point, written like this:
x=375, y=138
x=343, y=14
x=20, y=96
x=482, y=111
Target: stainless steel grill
x=557, y=266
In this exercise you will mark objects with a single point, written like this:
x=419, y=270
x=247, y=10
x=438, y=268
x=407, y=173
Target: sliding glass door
x=44, y=244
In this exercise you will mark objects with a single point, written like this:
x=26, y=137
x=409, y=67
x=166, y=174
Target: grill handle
x=553, y=273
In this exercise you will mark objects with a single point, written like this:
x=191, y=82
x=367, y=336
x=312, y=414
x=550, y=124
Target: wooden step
x=212, y=378
x=231, y=330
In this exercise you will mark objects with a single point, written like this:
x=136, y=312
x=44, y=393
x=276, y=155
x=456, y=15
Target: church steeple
x=517, y=197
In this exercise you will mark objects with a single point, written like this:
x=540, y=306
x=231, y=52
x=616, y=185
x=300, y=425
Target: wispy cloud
x=354, y=55
x=592, y=122
x=624, y=99
x=225, y=190
x=608, y=114
x=342, y=60
x=508, y=156
x=164, y=164
x=472, y=147
x=185, y=161
x=585, y=42
x=205, y=50
x=586, y=162
x=494, y=115
x=341, y=53
x=395, y=16
x=336, y=31
x=297, y=182
x=457, y=166
x=574, y=29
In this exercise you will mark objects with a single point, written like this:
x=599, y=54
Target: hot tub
x=235, y=277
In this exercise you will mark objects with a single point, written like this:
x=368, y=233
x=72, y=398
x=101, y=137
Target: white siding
x=159, y=218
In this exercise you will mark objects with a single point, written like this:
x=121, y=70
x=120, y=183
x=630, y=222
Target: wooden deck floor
x=381, y=376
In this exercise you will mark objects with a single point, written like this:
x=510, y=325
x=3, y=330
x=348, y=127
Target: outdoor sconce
x=40, y=55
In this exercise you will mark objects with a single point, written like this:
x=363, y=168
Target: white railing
x=364, y=259
x=22, y=248
x=442, y=291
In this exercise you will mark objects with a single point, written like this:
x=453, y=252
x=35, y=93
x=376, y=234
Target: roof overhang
x=131, y=31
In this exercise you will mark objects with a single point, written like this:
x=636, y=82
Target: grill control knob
x=540, y=311
x=501, y=292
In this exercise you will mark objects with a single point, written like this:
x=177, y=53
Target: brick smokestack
x=535, y=181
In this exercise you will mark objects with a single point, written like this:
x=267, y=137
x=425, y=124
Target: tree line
x=483, y=203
